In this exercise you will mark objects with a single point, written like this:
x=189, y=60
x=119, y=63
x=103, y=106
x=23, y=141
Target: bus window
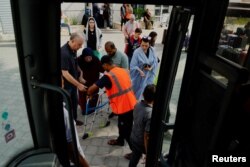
x=15, y=133
x=235, y=35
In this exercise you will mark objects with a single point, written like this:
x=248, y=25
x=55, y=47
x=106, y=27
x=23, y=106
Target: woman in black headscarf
x=91, y=68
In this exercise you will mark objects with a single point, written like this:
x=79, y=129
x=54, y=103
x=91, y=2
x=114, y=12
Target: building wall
x=73, y=10
x=6, y=23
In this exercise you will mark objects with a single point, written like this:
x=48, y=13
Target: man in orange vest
x=122, y=100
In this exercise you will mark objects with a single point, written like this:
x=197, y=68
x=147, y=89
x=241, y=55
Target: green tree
x=138, y=12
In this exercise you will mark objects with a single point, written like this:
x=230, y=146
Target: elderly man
x=129, y=27
x=70, y=70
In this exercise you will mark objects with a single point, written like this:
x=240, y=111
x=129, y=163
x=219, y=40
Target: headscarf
x=97, y=32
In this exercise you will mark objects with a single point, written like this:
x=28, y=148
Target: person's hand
x=144, y=156
x=142, y=74
x=88, y=97
x=148, y=68
x=82, y=80
x=82, y=87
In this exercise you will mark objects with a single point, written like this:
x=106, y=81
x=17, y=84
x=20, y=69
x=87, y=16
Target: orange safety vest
x=121, y=95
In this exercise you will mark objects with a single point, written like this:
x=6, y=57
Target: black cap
x=106, y=59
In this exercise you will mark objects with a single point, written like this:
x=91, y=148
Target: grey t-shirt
x=142, y=118
x=120, y=59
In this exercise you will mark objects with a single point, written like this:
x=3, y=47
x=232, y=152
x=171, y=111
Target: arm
x=124, y=63
x=147, y=118
x=73, y=81
x=85, y=39
x=62, y=82
x=134, y=66
x=122, y=12
x=82, y=160
x=124, y=30
x=92, y=89
x=150, y=15
x=81, y=79
x=156, y=64
x=100, y=40
x=146, y=137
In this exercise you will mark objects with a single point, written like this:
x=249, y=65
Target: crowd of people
x=102, y=15
x=127, y=77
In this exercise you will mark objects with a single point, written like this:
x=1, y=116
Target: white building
x=6, y=23
x=76, y=11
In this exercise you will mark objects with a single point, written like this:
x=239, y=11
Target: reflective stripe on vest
x=120, y=91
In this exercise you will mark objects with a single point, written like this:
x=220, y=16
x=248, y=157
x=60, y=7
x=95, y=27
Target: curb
x=7, y=37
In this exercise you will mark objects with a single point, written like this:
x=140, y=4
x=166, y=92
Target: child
x=134, y=42
x=141, y=127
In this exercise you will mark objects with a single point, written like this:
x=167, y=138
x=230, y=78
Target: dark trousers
x=74, y=100
x=125, y=123
x=123, y=21
x=108, y=24
x=137, y=151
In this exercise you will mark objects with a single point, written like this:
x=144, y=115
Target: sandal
x=114, y=142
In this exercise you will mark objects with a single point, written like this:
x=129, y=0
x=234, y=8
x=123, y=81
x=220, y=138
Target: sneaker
x=79, y=123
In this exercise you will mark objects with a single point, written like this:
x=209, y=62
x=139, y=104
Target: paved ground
x=98, y=153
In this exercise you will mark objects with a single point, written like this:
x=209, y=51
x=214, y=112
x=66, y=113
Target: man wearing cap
x=70, y=70
x=121, y=97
